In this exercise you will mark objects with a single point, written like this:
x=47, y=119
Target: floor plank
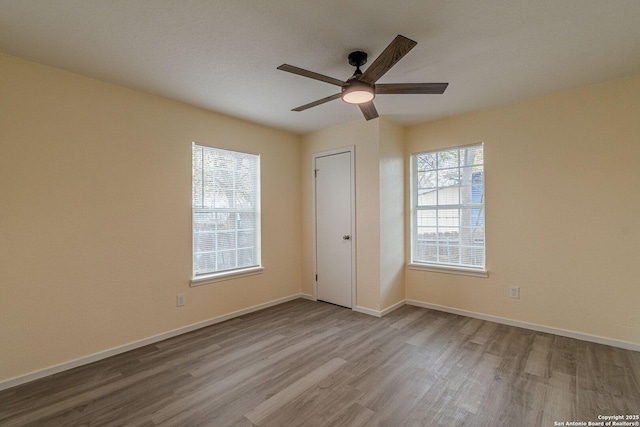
x=276, y=402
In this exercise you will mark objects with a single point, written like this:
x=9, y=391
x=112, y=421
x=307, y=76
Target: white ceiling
x=222, y=54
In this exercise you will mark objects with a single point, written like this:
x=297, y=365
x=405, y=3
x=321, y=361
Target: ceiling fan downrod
x=357, y=59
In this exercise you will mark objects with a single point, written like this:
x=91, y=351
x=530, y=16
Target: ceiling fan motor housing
x=357, y=58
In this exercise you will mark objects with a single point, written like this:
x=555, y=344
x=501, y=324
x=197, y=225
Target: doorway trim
x=352, y=150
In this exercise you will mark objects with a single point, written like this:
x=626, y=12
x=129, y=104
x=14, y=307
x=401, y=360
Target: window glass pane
x=449, y=196
x=467, y=174
x=472, y=195
x=204, y=241
x=426, y=244
x=448, y=159
x=472, y=256
x=226, y=240
x=465, y=195
x=427, y=197
x=226, y=260
x=428, y=180
x=477, y=194
x=448, y=220
x=470, y=156
x=246, y=257
x=426, y=218
x=426, y=162
x=246, y=239
x=448, y=178
x=204, y=262
x=477, y=218
x=448, y=254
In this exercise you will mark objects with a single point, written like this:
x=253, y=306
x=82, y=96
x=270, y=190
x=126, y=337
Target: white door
x=333, y=228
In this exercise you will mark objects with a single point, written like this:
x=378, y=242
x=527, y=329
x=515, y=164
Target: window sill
x=226, y=275
x=449, y=270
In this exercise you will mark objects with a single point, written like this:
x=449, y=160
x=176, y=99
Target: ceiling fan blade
x=368, y=110
x=318, y=102
x=411, y=88
x=388, y=58
x=311, y=75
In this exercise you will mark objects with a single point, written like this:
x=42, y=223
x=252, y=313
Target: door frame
x=352, y=150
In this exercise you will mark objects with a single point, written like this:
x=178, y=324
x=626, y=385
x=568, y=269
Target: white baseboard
x=368, y=311
x=308, y=296
x=532, y=326
x=379, y=313
x=22, y=379
x=393, y=307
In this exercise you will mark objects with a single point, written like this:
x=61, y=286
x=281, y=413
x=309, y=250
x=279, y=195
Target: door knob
x=346, y=237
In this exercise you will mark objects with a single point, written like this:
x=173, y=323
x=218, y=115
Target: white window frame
x=414, y=208
x=216, y=276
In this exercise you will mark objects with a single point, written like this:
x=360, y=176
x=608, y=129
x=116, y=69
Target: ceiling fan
x=361, y=88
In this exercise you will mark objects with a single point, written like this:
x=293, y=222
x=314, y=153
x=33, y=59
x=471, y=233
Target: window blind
x=226, y=210
x=448, y=208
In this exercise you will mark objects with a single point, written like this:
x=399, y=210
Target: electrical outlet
x=179, y=300
x=514, y=292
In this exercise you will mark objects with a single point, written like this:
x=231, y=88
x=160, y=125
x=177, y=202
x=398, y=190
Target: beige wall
x=392, y=213
x=379, y=153
x=95, y=216
x=364, y=136
x=562, y=211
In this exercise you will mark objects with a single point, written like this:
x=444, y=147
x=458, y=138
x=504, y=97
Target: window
x=447, y=200
x=226, y=211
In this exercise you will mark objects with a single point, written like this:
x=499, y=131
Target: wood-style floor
x=307, y=363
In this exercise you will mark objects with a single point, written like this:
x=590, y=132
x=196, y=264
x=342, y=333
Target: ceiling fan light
x=358, y=93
